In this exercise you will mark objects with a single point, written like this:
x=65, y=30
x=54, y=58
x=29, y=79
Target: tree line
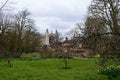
x=18, y=33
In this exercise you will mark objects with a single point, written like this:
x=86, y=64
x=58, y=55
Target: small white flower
x=97, y=70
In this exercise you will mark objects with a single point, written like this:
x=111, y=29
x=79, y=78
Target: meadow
x=50, y=69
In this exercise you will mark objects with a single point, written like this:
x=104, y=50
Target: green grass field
x=50, y=69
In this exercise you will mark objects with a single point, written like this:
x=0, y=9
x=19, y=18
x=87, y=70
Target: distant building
x=75, y=45
x=50, y=38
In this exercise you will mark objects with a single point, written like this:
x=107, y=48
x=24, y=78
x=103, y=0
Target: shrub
x=113, y=72
x=48, y=54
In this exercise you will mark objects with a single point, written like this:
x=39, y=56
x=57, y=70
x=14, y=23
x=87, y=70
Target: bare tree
x=5, y=23
x=6, y=5
x=17, y=35
x=102, y=28
x=3, y=5
x=22, y=24
x=107, y=11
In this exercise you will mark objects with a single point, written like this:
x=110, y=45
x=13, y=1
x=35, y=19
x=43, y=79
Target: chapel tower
x=47, y=37
x=51, y=38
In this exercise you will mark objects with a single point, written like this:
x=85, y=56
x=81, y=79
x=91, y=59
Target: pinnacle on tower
x=47, y=31
x=56, y=32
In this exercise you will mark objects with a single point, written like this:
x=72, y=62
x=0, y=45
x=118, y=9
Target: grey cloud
x=55, y=14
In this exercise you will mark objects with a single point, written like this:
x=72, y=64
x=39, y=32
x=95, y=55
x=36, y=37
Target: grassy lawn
x=50, y=69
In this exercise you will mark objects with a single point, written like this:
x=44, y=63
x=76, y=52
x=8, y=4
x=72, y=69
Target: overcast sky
x=61, y=15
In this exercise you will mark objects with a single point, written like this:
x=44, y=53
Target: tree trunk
x=9, y=62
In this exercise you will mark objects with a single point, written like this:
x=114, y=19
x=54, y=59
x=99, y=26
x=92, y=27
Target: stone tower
x=51, y=38
x=47, y=37
x=57, y=36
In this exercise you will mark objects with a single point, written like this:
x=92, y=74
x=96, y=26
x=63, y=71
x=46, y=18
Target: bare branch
x=3, y=5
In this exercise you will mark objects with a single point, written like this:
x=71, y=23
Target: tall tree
x=102, y=27
x=18, y=34
x=25, y=29
x=107, y=11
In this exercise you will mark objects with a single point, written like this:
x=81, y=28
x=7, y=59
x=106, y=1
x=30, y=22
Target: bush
x=48, y=54
x=110, y=66
x=113, y=72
